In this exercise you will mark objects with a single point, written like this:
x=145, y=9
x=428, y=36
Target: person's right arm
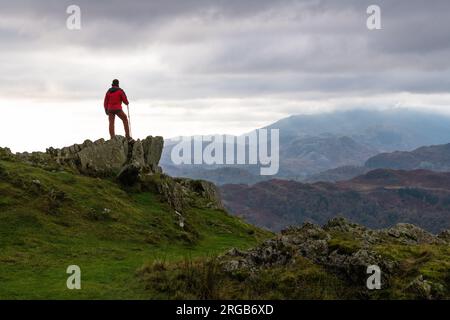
x=124, y=97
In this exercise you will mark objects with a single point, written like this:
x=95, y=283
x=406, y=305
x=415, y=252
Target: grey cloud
x=227, y=48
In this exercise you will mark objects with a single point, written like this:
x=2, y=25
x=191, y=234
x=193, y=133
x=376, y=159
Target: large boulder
x=103, y=158
x=152, y=149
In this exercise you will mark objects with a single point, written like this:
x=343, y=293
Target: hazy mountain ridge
x=435, y=158
x=389, y=130
x=312, y=146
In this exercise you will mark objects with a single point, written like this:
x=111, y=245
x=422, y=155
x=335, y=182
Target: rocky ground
x=347, y=249
x=329, y=262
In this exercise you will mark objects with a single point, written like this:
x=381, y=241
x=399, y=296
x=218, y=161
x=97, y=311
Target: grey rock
x=152, y=148
x=343, y=225
x=102, y=159
x=313, y=242
x=137, y=154
x=410, y=234
x=424, y=289
x=354, y=266
x=308, y=231
x=233, y=265
x=205, y=189
x=444, y=235
x=130, y=174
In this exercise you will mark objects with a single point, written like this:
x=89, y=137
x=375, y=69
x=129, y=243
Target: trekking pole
x=129, y=119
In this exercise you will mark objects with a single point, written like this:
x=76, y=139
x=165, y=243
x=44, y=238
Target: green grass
x=47, y=226
x=430, y=261
x=344, y=243
x=203, y=279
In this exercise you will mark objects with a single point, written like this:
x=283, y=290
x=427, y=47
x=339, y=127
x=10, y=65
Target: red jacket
x=114, y=98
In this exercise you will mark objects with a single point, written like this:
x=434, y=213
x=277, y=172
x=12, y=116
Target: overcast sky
x=205, y=66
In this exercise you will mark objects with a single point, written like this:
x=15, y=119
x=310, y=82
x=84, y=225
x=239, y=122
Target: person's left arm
x=105, y=102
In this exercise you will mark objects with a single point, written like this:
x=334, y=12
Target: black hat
x=115, y=83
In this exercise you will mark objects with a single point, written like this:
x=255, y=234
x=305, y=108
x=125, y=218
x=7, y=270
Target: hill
x=302, y=157
x=378, y=199
x=436, y=158
x=337, y=174
x=66, y=207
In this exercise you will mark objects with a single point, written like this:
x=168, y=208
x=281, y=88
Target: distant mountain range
x=377, y=199
x=368, y=166
x=332, y=146
x=435, y=158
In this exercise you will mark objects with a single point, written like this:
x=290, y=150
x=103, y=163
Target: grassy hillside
x=131, y=244
x=52, y=219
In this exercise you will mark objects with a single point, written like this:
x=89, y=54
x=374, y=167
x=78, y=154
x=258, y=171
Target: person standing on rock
x=113, y=107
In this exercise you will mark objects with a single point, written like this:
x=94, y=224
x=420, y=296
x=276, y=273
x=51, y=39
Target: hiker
x=113, y=106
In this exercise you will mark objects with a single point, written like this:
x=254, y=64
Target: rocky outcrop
x=181, y=193
x=115, y=157
x=342, y=247
x=132, y=163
